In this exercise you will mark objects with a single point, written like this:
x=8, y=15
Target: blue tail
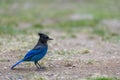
x=16, y=64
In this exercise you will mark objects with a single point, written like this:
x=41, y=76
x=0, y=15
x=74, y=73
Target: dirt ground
x=91, y=56
x=75, y=57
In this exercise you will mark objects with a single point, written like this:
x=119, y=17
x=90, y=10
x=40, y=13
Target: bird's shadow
x=30, y=69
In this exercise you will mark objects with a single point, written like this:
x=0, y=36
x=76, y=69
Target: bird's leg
x=36, y=63
x=41, y=68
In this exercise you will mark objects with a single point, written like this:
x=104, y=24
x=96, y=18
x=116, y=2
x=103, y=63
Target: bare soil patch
x=103, y=58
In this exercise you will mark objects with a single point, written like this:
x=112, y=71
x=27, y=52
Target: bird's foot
x=41, y=69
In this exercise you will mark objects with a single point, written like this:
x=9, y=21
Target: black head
x=44, y=37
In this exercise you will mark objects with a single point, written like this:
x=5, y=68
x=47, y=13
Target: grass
x=78, y=23
x=21, y=19
x=100, y=78
x=5, y=30
x=35, y=13
x=85, y=51
x=38, y=78
x=68, y=63
x=73, y=51
x=4, y=60
x=90, y=61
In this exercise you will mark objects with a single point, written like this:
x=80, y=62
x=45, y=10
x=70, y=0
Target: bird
x=37, y=53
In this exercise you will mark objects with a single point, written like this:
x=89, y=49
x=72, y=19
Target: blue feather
x=16, y=64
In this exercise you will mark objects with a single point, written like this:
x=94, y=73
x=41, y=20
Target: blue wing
x=35, y=54
x=31, y=54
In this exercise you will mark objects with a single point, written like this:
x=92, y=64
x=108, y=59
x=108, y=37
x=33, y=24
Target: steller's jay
x=38, y=52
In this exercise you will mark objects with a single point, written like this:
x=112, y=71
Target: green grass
x=98, y=77
x=90, y=61
x=7, y=30
x=13, y=13
x=101, y=78
x=38, y=78
x=78, y=23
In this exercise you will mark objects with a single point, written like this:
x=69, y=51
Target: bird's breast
x=41, y=54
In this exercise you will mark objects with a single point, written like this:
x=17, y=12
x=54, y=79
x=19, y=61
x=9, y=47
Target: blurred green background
x=87, y=16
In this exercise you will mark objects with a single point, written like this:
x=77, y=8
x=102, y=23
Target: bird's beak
x=50, y=39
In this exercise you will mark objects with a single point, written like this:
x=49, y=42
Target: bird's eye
x=46, y=37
